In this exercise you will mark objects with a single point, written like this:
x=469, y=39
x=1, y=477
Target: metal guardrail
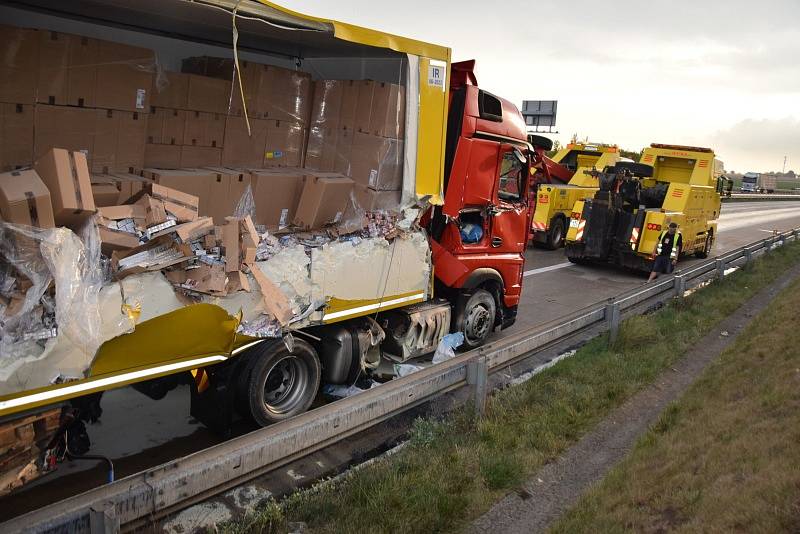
x=168, y=487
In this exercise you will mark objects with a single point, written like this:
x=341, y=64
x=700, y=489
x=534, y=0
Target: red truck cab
x=479, y=235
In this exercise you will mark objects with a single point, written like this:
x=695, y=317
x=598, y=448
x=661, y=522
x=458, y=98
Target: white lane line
x=546, y=269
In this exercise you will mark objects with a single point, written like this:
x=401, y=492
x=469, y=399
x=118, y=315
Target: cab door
x=509, y=211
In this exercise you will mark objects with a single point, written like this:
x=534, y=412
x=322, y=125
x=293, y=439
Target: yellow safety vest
x=675, y=251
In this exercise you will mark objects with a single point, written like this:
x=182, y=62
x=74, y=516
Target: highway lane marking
x=547, y=269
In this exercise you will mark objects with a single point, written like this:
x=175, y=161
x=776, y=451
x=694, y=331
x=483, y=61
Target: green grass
x=726, y=456
x=453, y=470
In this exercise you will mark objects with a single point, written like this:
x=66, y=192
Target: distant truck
x=755, y=182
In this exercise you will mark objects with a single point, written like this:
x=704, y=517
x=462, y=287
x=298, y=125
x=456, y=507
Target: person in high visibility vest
x=667, y=251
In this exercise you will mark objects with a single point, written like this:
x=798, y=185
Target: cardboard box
x=104, y=146
x=377, y=162
x=82, y=71
x=226, y=191
x=16, y=136
x=363, y=113
x=204, y=129
x=241, y=150
x=25, y=199
x=66, y=175
x=388, y=114
x=131, y=141
x=284, y=145
x=113, y=240
x=119, y=141
x=194, y=182
x=321, y=148
x=350, y=103
x=51, y=85
x=104, y=190
x=327, y=103
x=63, y=127
x=170, y=90
x=215, y=67
x=324, y=199
x=276, y=193
x=67, y=73
x=208, y=94
x=129, y=184
x=166, y=126
x=124, y=77
x=19, y=62
x=162, y=156
x=200, y=156
x=250, y=83
x=344, y=148
x=369, y=199
x=284, y=94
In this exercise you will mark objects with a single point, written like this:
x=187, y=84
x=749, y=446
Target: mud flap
x=214, y=407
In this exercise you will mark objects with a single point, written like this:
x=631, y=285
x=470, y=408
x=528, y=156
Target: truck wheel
x=706, y=247
x=475, y=317
x=282, y=384
x=555, y=236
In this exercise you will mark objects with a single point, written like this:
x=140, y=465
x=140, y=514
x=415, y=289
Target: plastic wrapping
x=60, y=278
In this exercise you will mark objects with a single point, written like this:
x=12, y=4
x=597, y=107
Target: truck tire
x=706, y=247
x=475, y=316
x=281, y=384
x=637, y=169
x=555, y=236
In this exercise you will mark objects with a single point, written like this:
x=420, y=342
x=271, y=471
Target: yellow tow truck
x=671, y=183
x=554, y=201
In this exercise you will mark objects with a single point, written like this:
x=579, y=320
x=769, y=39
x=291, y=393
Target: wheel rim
x=557, y=234
x=284, y=384
x=477, y=323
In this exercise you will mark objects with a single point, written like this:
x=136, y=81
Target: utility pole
x=784, y=165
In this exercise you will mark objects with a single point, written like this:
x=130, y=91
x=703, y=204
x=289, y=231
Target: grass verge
x=723, y=458
x=454, y=470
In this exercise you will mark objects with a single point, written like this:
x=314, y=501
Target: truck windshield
x=749, y=179
x=512, y=170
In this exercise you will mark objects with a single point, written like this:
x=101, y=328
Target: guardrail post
x=104, y=520
x=680, y=285
x=783, y=239
x=720, y=268
x=613, y=318
x=748, y=255
x=478, y=378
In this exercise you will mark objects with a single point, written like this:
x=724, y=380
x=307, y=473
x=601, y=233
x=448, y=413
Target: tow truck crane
x=621, y=225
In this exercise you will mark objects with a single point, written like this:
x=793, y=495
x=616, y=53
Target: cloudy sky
x=719, y=73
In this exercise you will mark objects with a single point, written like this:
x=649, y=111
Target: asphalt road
x=138, y=432
x=554, y=287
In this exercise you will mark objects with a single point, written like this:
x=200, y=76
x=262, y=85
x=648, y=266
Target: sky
x=717, y=73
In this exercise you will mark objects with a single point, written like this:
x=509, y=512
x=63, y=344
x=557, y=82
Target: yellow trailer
x=268, y=33
x=685, y=187
x=554, y=201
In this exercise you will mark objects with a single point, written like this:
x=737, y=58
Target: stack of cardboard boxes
x=73, y=92
x=306, y=149
x=187, y=121
x=277, y=103
x=357, y=129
